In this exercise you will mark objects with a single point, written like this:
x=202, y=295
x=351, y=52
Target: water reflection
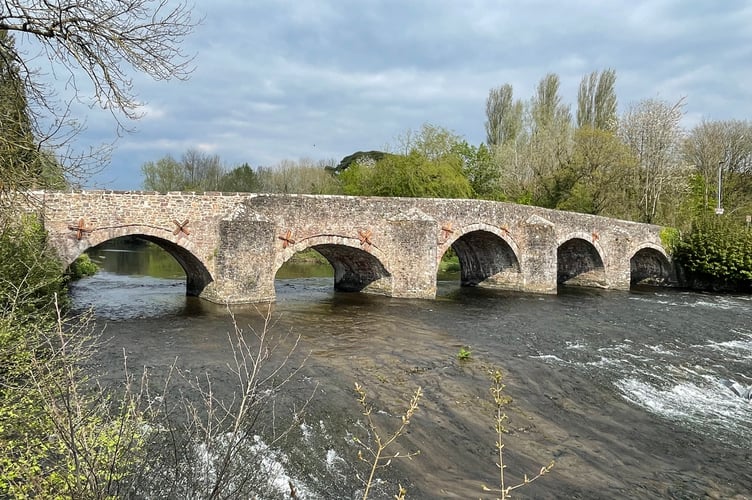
x=133, y=256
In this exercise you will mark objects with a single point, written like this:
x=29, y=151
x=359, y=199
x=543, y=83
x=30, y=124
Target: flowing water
x=624, y=390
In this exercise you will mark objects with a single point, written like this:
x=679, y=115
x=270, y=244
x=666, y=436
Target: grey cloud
x=273, y=78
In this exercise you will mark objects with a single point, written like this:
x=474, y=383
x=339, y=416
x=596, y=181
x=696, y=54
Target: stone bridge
x=231, y=245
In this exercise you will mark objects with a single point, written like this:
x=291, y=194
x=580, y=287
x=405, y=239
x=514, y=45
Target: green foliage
x=717, y=251
x=591, y=181
x=57, y=439
x=29, y=282
x=30, y=276
x=196, y=171
x=464, y=353
x=670, y=238
x=164, y=175
x=413, y=175
x=58, y=443
x=418, y=176
x=82, y=266
x=596, y=101
x=480, y=169
x=242, y=179
x=503, y=116
x=430, y=165
x=450, y=262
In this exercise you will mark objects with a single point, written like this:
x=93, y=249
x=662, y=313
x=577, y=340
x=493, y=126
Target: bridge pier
x=243, y=272
x=412, y=243
x=539, y=262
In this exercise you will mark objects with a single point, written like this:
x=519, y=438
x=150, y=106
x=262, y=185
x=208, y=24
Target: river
x=623, y=390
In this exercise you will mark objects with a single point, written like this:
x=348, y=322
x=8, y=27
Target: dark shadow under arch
x=487, y=260
x=579, y=264
x=648, y=266
x=355, y=269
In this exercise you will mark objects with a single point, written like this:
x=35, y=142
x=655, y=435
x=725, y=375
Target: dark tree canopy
x=358, y=156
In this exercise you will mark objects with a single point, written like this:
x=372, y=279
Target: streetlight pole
x=719, y=208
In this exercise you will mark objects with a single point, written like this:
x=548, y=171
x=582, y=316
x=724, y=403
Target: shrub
x=30, y=276
x=717, y=253
x=83, y=266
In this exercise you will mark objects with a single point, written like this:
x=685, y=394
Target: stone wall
x=231, y=245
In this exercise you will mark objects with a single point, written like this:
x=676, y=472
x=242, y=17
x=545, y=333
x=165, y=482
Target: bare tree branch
x=107, y=40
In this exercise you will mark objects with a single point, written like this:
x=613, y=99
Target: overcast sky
x=278, y=79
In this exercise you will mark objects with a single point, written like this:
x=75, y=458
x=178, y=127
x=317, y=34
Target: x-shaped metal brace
x=365, y=237
x=81, y=229
x=287, y=239
x=181, y=228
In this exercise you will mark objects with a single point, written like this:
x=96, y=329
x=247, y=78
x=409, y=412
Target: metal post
x=719, y=208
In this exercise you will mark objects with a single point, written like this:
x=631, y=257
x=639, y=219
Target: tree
x=103, y=40
x=58, y=431
x=503, y=116
x=596, y=101
x=652, y=131
x=599, y=163
x=164, y=175
x=23, y=164
x=432, y=141
x=550, y=139
x=241, y=179
x=427, y=164
x=412, y=175
x=546, y=108
x=356, y=157
x=529, y=144
x=480, y=169
x=298, y=177
x=724, y=147
x=196, y=171
x=203, y=171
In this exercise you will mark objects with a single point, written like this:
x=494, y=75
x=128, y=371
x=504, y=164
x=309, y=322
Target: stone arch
x=181, y=249
x=356, y=268
x=650, y=265
x=487, y=255
x=580, y=262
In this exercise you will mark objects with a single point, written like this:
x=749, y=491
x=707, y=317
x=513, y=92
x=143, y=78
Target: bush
x=83, y=266
x=30, y=276
x=30, y=282
x=717, y=254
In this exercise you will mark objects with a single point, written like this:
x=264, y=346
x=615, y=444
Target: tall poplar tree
x=503, y=116
x=550, y=139
x=596, y=101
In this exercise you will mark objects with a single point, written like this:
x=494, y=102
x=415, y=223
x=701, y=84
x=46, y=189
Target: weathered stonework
x=231, y=245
